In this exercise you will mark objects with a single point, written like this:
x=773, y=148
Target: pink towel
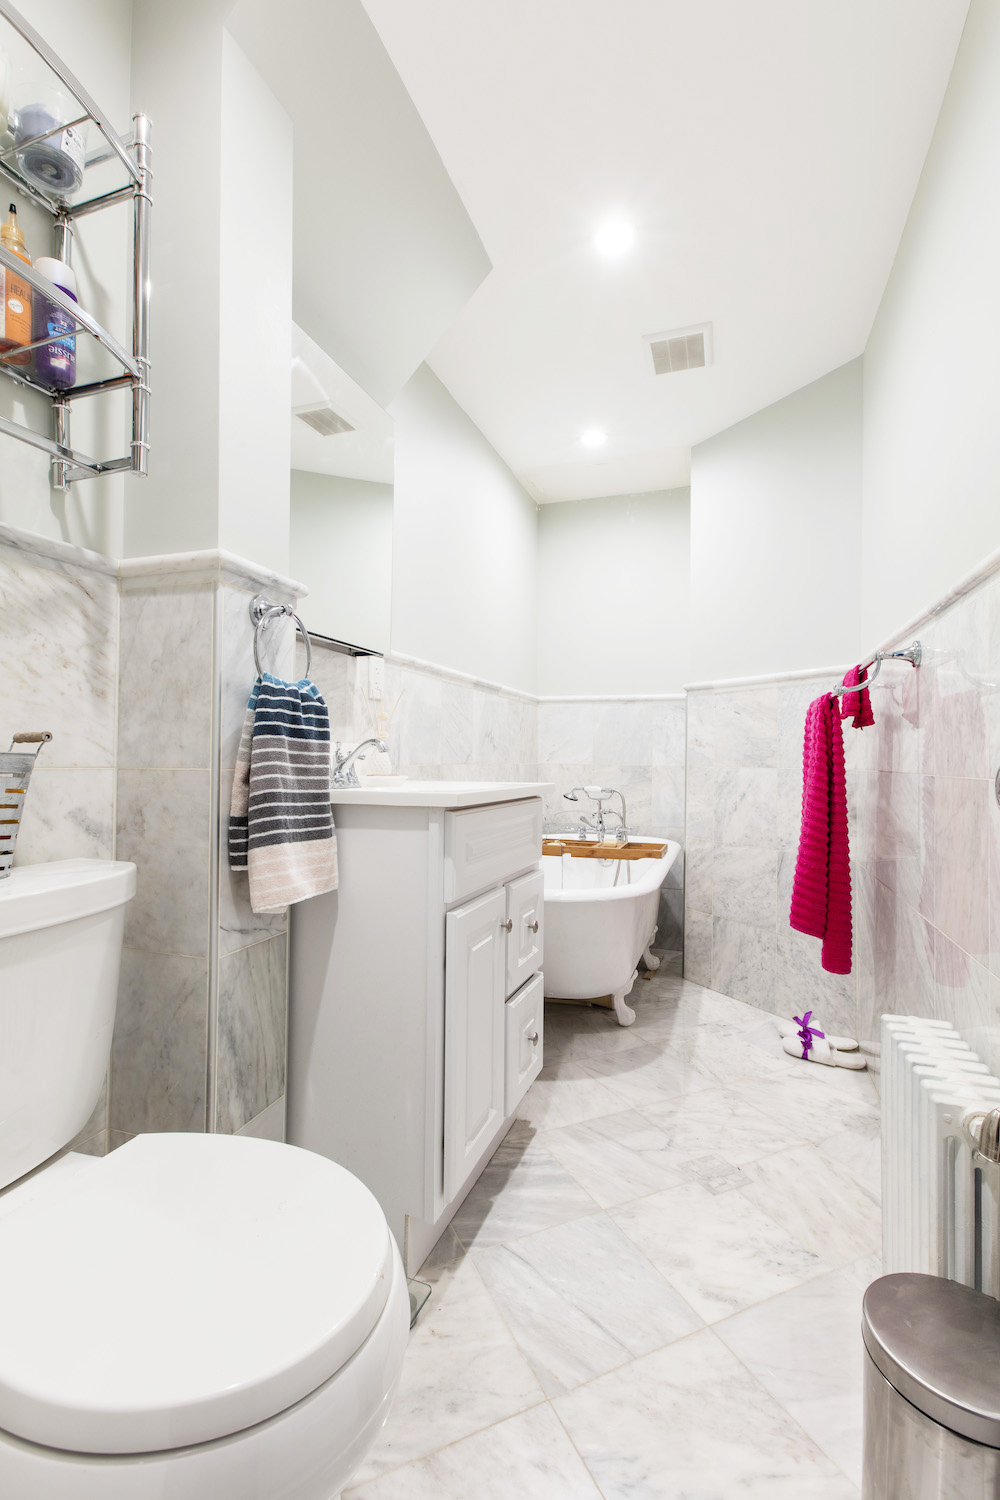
x=821, y=893
x=857, y=706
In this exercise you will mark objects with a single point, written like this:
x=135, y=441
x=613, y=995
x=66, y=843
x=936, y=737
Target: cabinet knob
x=534, y=926
x=508, y=926
x=534, y=1039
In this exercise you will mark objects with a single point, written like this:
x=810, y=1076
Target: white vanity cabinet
x=416, y=997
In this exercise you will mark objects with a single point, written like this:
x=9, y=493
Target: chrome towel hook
x=262, y=612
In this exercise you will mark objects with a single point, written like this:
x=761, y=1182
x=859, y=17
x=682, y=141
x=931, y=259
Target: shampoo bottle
x=15, y=312
x=55, y=362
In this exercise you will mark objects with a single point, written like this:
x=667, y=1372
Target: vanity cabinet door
x=526, y=915
x=525, y=1014
x=475, y=974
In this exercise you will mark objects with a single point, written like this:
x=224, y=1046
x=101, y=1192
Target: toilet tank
x=61, y=928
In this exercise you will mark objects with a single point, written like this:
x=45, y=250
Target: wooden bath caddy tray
x=588, y=849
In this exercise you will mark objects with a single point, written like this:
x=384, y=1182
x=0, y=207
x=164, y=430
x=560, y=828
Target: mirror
x=341, y=501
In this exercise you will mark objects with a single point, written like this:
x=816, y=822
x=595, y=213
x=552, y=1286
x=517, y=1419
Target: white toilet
x=194, y=1317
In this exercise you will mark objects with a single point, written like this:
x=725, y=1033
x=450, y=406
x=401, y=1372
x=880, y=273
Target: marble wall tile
x=159, y=1053
x=669, y=728
x=794, y=699
x=59, y=630
x=960, y=855
x=700, y=730
x=529, y=733
x=623, y=733
x=699, y=876
x=744, y=884
x=743, y=961
x=697, y=946
x=668, y=796
x=954, y=692
x=746, y=727
x=916, y=987
x=788, y=813
x=746, y=807
x=963, y=989
x=417, y=726
x=699, y=804
x=458, y=726
x=496, y=727
x=250, y=1058
x=163, y=825
x=269, y=1125
x=165, y=675
x=566, y=732
x=68, y=814
x=635, y=784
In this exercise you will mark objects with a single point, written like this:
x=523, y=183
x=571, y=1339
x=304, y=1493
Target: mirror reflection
x=341, y=500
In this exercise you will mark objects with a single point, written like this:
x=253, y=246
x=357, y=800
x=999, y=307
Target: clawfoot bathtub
x=600, y=919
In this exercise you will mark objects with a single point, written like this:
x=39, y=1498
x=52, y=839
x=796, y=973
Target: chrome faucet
x=344, y=773
x=596, y=825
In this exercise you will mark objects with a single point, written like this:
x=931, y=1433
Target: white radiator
x=940, y=1197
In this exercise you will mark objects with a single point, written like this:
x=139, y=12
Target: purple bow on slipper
x=807, y=1032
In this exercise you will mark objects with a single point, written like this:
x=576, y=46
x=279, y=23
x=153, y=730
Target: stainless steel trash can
x=932, y=1391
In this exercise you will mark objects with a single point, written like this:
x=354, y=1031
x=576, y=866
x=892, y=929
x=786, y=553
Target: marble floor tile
x=647, y=1074
x=820, y=1203
x=565, y=1092
x=529, y=1455
x=580, y=1300
x=721, y=1251
x=523, y=1189
x=617, y=1157
x=691, y=1423
x=462, y=1372
x=717, y=1119
x=813, y=1106
x=805, y=1347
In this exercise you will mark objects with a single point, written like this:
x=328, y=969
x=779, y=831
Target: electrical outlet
x=376, y=676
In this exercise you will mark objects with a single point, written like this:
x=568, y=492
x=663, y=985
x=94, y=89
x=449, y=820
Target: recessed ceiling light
x=614, y=237
x=594, y=437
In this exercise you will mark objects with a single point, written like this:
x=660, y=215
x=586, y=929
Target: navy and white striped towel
x=280, y=821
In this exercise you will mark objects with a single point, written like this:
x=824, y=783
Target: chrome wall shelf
x=120, y=171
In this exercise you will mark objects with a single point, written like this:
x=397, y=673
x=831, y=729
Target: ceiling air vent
x=683, y=349
x=324, y=420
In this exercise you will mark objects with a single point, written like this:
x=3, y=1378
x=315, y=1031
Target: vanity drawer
x=524, y=1040
x=525, y=933
x=484, y=846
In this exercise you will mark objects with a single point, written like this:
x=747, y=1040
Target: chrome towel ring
x=912, y=654
x=262, y=612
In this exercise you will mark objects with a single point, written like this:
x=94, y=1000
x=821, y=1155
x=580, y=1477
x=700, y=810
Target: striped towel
x=280, y=820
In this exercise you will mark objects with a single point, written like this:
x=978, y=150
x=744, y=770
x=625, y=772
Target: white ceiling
x=765, y=152
x=318, y=381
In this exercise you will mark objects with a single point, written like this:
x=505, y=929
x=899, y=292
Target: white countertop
x=447, y=794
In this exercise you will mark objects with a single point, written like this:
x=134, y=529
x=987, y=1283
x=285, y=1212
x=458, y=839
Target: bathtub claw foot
x=649, y=959
x=625, y=1013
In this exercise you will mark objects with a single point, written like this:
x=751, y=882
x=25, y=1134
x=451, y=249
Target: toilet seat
x=185, y=1288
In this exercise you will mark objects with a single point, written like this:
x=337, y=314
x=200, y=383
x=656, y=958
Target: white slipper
x=821, y=1052
x=841, y=1043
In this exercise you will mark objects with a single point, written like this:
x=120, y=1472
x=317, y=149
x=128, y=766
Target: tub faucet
x=344, y=773
x=596, y=825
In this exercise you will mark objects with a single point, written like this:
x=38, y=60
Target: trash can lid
x=938, y=1344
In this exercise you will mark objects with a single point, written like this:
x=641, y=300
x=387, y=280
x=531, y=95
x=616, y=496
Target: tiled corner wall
x=927, y=894
x=744, y=794
x=140, y=768
x=459, y=729
x=636, y=745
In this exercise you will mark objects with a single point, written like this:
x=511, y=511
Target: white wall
x=94, y=40
x=775, y=535
x=932, y=377
x=614, y=596
x=464, y=544
x=341, y=549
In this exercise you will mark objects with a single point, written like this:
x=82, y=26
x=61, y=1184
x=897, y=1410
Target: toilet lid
x=186, y=1287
